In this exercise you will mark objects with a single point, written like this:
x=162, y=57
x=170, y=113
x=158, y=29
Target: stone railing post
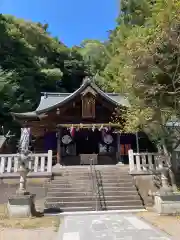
x=49, y=162
x=2, y=164
x=144, y=165
x=42, y=166
x=9, y=164
x=16, y=163
x=36, y=163
x=131, y=160
x=150, y=162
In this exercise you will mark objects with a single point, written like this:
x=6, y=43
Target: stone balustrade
x=40, y=163
x=145, y=163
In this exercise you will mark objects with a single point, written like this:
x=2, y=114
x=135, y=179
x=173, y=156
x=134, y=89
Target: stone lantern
x=22, y=203
x=166, y=201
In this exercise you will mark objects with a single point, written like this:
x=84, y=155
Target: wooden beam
x=59, y=146
x=89, y=125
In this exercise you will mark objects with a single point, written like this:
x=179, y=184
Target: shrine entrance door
x=87, y=142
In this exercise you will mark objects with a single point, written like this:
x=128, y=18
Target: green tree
x=37, y=61
x=145, y=67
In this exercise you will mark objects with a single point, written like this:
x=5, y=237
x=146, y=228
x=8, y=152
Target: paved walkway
x=108, y=227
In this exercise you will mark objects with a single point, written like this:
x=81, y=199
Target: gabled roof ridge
x=65, y=97
x=52, y=100
x=112, y=93
x=68, y=93
x=55, y=93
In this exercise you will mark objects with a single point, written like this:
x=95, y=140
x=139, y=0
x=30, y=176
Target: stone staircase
x=72, y=190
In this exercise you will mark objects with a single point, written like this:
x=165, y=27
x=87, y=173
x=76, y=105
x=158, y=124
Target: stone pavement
x=108, y=227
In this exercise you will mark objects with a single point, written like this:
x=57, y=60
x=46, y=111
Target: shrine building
x=80, y=124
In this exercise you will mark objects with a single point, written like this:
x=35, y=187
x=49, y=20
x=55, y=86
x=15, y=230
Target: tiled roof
x=53, y=100
x=2, y=140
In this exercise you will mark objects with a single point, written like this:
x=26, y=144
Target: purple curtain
x=50, y=141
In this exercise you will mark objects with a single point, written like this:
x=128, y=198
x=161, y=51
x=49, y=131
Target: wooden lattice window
x=88, y=106
x=125, y=148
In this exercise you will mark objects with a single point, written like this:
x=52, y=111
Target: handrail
x=94, y=182
x=100, y=190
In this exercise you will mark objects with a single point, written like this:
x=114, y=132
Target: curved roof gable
x=50, y=101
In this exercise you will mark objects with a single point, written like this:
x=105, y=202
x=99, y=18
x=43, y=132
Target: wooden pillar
x=137, y=142
x=59, y=146
x=119, y=148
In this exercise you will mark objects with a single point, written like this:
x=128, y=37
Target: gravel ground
x=40, y=189
x=24, y=234
x=168, y=224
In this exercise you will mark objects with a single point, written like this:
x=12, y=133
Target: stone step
x=67, y=189
x=138, y=207
x=89, y=193
x=115, y=176
x=127, y=181
x=70, y=209
x=72, y=185
x=71, y=180
x=111, y=174
x=118, y=184
x=88, y=175
x=68, y=172
x=131, y=202
x=82, y=167
x=88, y=204
x=97, y=167
x=68, y=194
x=74, y=198
x=79, y=209
x=116, y=170
x=92, y=203
x=108, y=171
x=104, y=180
x=89, y=184
x=84, y=175
x=119, y=188
x=85, y=188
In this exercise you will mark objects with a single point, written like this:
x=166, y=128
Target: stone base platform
x=167, y=204
x=21, y=206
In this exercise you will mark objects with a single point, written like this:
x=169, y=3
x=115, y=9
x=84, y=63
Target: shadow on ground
x=52, y=211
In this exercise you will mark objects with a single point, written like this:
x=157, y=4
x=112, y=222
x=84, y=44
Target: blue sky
x=70, y=20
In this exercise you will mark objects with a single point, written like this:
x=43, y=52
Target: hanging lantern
x=58, y=111
x=106, y=129
x=72, y=131
x=93, y=128
x=103, y=132
x=101, y=128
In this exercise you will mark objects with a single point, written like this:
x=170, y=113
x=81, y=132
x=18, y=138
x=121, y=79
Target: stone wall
x=146, y=184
